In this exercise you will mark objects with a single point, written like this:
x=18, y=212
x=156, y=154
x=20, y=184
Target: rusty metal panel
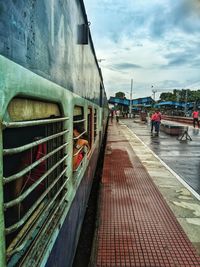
x=21, y=109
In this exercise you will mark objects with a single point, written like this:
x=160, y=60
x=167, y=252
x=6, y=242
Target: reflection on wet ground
x=181, y=156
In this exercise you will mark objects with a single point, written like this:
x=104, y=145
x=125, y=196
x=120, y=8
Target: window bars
x=43, y=206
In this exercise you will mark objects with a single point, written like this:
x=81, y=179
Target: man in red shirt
x=152, y=121
x=157, y=121
x=195, y=115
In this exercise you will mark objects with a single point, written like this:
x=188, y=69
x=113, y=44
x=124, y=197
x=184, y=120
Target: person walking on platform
x=157, y=121
x=117, y=115
x=195, y=115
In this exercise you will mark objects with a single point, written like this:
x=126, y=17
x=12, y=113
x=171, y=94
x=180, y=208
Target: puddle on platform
x=185, y=197
x=184, y=192
x=195, y=208
x=166, y=186
x=195, y=221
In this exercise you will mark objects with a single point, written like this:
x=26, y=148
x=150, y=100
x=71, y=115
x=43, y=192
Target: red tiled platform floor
x=136, y=226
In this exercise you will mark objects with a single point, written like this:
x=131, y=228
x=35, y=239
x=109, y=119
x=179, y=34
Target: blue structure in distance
x=144, y=101
x=149, y=102
x=174, y=104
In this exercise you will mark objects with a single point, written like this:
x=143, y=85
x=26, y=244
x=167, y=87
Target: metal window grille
x=24, y=227
x=90, y=126
x=79, y=123
x=95, y=124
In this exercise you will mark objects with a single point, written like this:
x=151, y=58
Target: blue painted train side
x=52, y=39
x=49, y=81
x=63, y=251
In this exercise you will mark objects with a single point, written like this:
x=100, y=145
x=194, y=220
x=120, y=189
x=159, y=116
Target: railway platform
x=146, y=216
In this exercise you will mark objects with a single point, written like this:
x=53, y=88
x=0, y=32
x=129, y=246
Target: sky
x=156, y=43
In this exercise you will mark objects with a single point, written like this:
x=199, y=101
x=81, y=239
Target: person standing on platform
x=157, y=121
x=152, y=117
x=195, y=115
x=117, y=115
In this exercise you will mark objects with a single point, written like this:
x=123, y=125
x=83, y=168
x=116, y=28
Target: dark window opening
x=101, y=96
x=80, y=138
x=95, y=124
x=34, y=195
x=89, y=126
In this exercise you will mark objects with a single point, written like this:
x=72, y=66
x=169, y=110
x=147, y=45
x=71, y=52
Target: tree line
x=181, y=96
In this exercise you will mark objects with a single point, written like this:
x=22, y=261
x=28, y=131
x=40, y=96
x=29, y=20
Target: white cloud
x=154, y=42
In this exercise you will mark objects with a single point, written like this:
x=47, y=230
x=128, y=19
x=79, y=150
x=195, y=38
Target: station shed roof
x=174, y=104
x=126, y=102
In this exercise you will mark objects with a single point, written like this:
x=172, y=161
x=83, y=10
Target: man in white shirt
x=117, y=115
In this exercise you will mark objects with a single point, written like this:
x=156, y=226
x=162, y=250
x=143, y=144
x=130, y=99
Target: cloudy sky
x=154, y=42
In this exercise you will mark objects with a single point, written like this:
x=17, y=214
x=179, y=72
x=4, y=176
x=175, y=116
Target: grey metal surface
x=181, y=156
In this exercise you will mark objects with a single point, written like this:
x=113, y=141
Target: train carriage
x=50, y=81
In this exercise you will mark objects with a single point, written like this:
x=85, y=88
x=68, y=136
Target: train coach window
x=78, y=117
x=34, y=177
x=80, y=139
x=95, y=123
x=90, y=126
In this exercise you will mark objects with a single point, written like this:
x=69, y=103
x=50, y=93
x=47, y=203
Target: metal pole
x=153, y=92
x=130, y=107
x=186, y=99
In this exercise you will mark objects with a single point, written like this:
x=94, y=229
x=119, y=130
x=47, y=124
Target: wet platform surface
x=142, y=217
x=183, y=157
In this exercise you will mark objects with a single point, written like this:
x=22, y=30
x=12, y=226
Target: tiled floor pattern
x=136, y=227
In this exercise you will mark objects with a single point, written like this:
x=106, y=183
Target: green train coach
x=50, y=83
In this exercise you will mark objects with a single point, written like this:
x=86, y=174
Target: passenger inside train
x=79, y=145
x=16, y=163
x=30, y=156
